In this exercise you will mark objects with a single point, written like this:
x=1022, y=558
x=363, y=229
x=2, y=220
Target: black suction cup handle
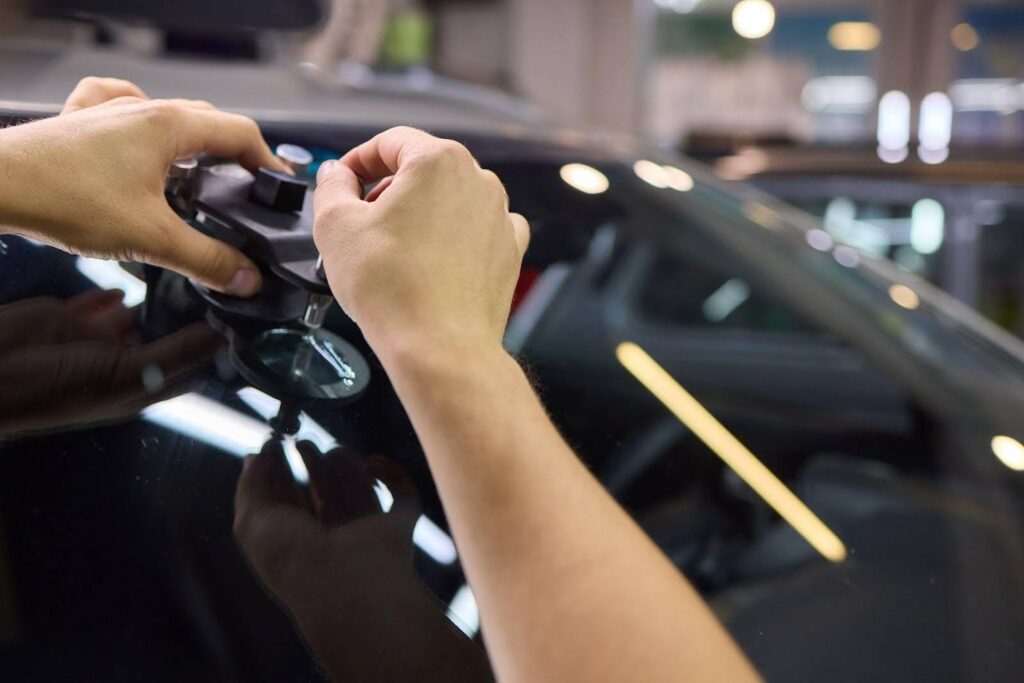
x=278, y=191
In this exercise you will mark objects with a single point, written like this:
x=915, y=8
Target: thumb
x=336, y=182
x=210, y=262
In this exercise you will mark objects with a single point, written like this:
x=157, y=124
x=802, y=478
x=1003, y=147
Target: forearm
x=551, y=557
x=24, y=187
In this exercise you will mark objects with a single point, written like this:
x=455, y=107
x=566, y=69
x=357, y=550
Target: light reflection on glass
x=762, y=215
x=733, y=453
x=110, y=275
x=678, y=179
x=586, y=179
x=904, y=296
x=651, y=173
x=819, y=239
x=463, y=611
x=848, y=257
x=1009, y=451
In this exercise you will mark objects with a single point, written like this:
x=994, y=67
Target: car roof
x=35, y=78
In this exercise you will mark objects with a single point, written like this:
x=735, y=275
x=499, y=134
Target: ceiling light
x=854, y=36
x=893, y=126
x=753, y=18
x=964, y=37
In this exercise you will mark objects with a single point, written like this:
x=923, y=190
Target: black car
x=830, y=449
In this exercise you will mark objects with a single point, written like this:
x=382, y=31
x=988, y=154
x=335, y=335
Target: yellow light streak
x=727, y=447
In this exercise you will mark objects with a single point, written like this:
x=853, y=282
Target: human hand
x=66, y=363
x=344, y=569
x=91, y=181
x=432, y=255
x=310, y=558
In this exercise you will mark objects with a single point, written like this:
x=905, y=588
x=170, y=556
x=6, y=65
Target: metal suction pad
x=310, y=364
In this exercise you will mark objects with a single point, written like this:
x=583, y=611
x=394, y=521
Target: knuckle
x=446, y=154
x=163, y=111
x=90, y=83
x=403, y=131
x=245, y=123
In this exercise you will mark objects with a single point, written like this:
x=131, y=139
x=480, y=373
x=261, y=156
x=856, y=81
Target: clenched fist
x=430, y=257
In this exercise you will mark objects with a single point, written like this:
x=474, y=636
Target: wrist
x=17, y=175
x=416, y=358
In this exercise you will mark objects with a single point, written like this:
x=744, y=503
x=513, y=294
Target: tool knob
x=297, y=158
x=278, y=191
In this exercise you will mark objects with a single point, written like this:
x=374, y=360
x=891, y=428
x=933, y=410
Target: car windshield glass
x=829, y=449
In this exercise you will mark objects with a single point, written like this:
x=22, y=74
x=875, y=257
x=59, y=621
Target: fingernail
x=245, y=283
x=326, y=169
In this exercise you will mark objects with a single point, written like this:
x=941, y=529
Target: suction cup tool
x=302, y=364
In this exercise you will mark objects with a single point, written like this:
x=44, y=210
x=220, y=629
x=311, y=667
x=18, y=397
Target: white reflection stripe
x=212, y=423
x=109, y=275
x=463, y=611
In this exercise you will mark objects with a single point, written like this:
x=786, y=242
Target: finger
x=330, y=486
x=379, y=188
x=521, y=231
x=335, y=182
x=113, y=323
x=146, y=370
x=400, y=484
x=97, y=314
x=210, y=262
x=319, y=481
x=221, y=134
x=265, y=483
x=385, y=154
x=96, y=299
x=187, y=348
x=345, y=489
x=271, y=522
x=92, y=91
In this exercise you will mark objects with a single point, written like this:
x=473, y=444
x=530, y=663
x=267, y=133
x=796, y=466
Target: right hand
x=432, y=255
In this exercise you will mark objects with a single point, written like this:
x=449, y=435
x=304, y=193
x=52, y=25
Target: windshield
x=828, y=448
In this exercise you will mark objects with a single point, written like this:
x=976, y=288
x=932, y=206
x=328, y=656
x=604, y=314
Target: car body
x=890, y=411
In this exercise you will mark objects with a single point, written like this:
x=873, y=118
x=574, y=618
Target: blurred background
x=899, y=122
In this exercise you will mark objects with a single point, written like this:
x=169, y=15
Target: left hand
x=91, y=181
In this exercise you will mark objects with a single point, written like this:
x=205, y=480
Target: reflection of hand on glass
x=344, y=570
x=70, y=362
